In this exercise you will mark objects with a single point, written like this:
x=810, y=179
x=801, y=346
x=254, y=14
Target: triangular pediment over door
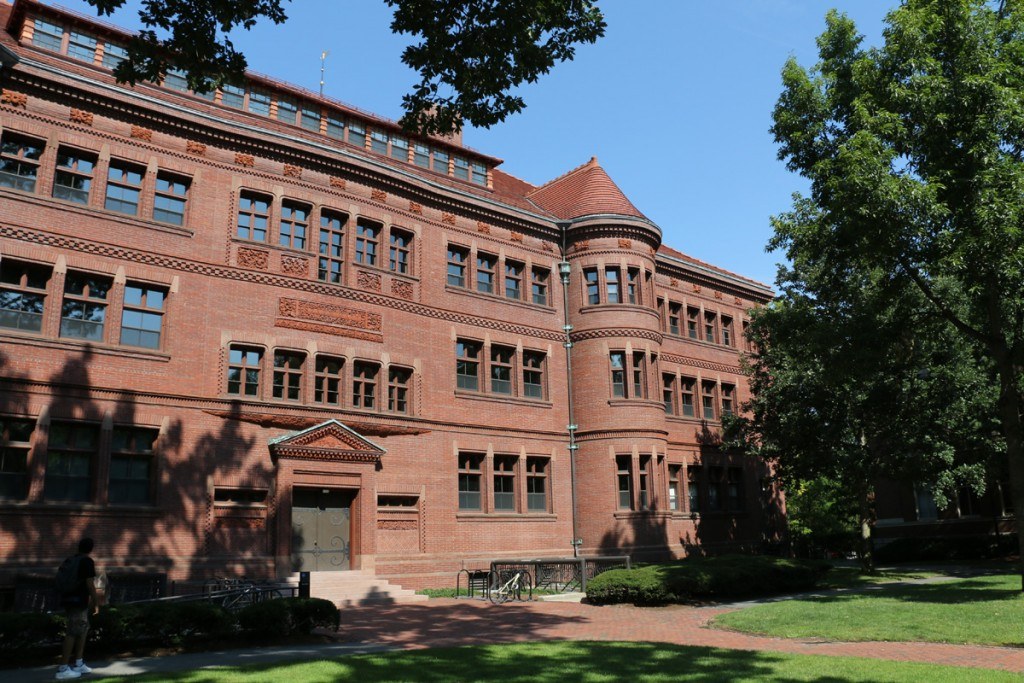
x=328, y=441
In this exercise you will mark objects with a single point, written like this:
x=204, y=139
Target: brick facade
x=173, y=331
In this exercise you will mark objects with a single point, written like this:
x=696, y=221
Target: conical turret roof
x=584, y=191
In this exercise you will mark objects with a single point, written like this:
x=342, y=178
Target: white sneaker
x=82, y=668
x=64, y=673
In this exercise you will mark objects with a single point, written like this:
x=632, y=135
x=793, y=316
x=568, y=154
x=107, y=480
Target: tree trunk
x=1009, y=408
x=867, y=540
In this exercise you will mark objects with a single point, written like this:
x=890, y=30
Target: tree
x=473, y=53
x=851, y=385
x=915, y=156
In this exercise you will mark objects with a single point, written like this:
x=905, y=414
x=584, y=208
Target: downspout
x=563, y=270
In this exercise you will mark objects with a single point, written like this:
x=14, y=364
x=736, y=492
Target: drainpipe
x=564, y=269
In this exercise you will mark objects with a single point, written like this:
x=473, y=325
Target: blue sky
x=675, y=102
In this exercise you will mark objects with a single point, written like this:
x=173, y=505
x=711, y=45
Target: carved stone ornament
x=582, y=245
x=339, y=183
x=378, y=195
x=547, y=246
x=291, y=171
x=329, y=313
x=197, y=148
x=448, y=218
x=81, y=116
x=696, y=288
x=257, y=259
x=293, y=265
x=738, y=301
x=15, y=99
x=397, y=525
x=416, y=208
x=401, y=289
x=368, y=281
x=516, y=236
x=483, y=228
x=673, y=282
x=718, y=295
x=245, y=159
x=625, y=244
x=141, y=133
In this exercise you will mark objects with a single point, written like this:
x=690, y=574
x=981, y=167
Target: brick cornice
x=702, y=364
x=605, y=333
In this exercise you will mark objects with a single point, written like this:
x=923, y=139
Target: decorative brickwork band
x=15, y=99
x=291, y=171
x=197, y=148
x=321, y=328
x=298, y=422
x=338, y=183
x=415, y=208
x=630, y=332
x=329, y=313
x=694, y=363
x=401, y=289
x=293, y=265
x=257, y=259
x=81, y=116
x=397, y=524
x=245, y=159
x=448, y=218
x=378, y=195
x=141, y=133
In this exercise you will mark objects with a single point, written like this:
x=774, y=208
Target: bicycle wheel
x=497, y=592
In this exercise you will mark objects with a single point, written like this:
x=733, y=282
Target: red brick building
x=260, y=330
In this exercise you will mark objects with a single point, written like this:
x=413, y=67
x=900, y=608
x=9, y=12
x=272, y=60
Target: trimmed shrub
x=267, y=620
x=698, y=579
x=21, y=632
x=310, y=613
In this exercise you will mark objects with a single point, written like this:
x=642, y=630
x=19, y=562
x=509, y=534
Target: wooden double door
x=321, y=529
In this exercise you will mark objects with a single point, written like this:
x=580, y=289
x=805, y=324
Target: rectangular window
x=367, y=237
x=332, y=241
x=310, y=118
x=47, y=35
x=421, y=156
x=259, y=101
x=401, y=243
x=287, y=110
x=593, y=286
x=728, y=399
x=467, y=365
x=440, y=162
x=686, y=398
x=643, y=481
x=461, y=168
x=707, y=397
x=357, y=135
x=513, y=280
x=15, y=435
x=143, y=315
x=501, y=369
x=70, y=457
x=639, y=374
x=84, y=310
x=113, y=55
x=294, y=224
x=674, y=313
x=613, y=285
x=716, y=489
x=22, y=295
x=633, y=286
x=457, y=257
x=505, y=483
x=624, y=475
x=399, y=148
x=335, y=126
x=674, y=495
x=327, y=384
x=397, y=501
x=244, y=370
x=379, y=141
x=539, y=285
x=175, y=79
x=124, y=185
x=726, y=331
x=253, y=216
x=533, y=374
x=73, y=178
x=692, y=316
x=232, y=96
x=470, y=475
x=618, y=361
x=170, y=197
x=485, y=265
x=709, y=327
x=82, y=46
x=364, y=384
x=668, y=392
x=479, y=173
x=19, y=161
x=399, y=380
x=240, y=497
x=537, y=484
x=131, y=466
x=735, y=500
x=693, y=473
x=288, y=370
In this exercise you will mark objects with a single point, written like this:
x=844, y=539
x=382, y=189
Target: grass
x=589, y=662
x=985, y=610
x=851, y=577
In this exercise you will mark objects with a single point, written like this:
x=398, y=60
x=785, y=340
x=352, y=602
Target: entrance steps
x=356, y=588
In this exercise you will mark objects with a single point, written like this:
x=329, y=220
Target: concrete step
x=355, y=587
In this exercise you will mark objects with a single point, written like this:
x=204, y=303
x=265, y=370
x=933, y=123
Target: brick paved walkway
x=440, y=623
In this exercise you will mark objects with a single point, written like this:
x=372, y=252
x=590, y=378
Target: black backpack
x=67, y=581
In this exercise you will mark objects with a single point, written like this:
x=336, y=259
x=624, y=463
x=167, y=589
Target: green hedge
x=24, y=637
x=952, y=548
x=699, y=579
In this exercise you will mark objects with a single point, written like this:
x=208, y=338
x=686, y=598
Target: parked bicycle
x=505, y=586
x=235, y=594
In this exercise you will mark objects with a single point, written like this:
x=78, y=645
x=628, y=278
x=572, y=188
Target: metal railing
x=562, y=574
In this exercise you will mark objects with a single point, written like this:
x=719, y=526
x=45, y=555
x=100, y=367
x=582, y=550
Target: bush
x=310, y=613
x=21, y=632
x=951, y=548
x=163, y=623
x=267, y=620
x=698, y=579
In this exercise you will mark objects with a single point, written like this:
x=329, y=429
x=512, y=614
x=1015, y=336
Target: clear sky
x=675, y=102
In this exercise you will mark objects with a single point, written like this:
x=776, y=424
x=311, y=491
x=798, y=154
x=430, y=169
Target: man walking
x=76, y=582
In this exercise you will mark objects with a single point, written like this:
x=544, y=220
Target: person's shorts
x=78, y=620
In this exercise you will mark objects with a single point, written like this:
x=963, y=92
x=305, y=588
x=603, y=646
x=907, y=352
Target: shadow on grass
x=951, y=593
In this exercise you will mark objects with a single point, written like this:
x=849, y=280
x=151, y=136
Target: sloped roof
x=584, y=191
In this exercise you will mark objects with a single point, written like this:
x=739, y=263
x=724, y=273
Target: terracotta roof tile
x=669, y=251
x=584, y=191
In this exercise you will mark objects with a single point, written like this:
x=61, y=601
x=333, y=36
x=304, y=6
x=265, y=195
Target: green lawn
x=851, y=577
x=985, y=611
x=561, y=662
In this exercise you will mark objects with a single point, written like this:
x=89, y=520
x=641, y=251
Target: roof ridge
x=592, y=162
x=675, y=253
